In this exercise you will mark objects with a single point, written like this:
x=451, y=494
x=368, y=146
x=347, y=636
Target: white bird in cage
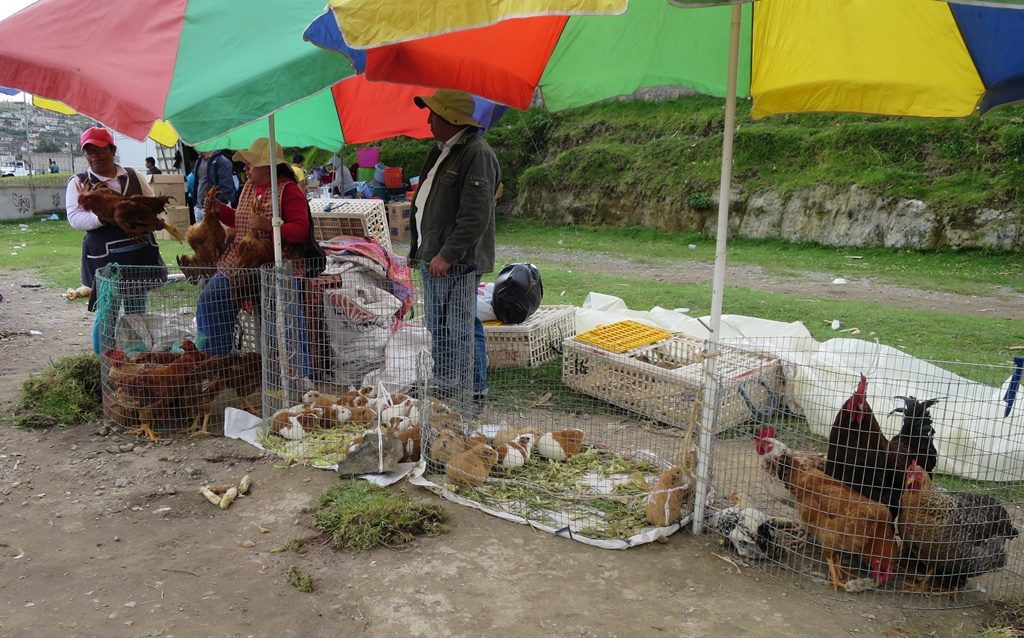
x=753, y=533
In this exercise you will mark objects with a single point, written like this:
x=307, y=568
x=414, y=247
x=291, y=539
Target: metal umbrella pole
x=282, y=353
x=710, y=396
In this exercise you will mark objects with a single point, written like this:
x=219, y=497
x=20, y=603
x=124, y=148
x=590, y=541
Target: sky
x=8, y=7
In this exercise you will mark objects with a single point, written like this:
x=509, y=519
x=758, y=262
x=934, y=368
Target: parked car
x=17, y=168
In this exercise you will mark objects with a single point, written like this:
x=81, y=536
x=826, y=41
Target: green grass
x=959, y=272
x=665, y=152
x=355, y=515
x=66, y=392
x=299, y=579
x=54, y=250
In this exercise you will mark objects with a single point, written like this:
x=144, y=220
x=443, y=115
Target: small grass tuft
x=66, y=392
x=299, y=579
x=356, y=515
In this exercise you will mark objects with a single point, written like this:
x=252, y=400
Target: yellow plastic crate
x=622, y=336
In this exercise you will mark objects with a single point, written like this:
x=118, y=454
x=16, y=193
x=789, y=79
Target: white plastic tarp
x=973, y=438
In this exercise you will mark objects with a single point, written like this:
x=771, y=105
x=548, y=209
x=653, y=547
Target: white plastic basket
x=358, y=217
x=533, y=342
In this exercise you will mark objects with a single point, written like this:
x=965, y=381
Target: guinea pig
x=470, y=468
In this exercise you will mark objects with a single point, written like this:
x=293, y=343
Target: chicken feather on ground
x=951, y=536
x=840, y=520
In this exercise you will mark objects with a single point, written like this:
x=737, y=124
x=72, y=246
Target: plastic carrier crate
x=664, y=381
x=622, y=336
x=358, y=217
x=531, y=343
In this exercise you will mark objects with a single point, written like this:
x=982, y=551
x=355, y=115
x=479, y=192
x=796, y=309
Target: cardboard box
x=170, y=185
x=176, y=216
x=399, y=216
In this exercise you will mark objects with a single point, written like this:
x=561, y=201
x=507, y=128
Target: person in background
x=343, y=184
x=452, y=232
x=213, y=169
x=216, y=311
x=151, y=168
x=107, y=243
x=297, y=168
x=177, y=160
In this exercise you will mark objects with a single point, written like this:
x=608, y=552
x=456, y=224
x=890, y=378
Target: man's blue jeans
x=457, y=335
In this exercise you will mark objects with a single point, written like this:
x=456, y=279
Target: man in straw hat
x=452, y=233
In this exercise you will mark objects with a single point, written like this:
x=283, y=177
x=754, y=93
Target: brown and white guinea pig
x=348, y=397
x=319, y=399
x=515, y=453
x=665, y=502
x=470, y=467
x=559, y=446
x=295, y=422
x=507, y=435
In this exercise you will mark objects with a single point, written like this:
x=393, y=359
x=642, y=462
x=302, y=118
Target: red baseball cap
x=97, y=136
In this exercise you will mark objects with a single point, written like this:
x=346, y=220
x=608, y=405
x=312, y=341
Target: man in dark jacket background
x=452, y=233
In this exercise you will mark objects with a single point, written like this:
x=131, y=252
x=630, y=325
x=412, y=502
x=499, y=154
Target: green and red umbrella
x=897, y=57
x=205, y=67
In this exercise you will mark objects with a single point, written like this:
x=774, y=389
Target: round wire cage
x=175, y=350
x=902, y=486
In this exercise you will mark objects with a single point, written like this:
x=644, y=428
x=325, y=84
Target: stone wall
x=23, y=201
x=825, y=215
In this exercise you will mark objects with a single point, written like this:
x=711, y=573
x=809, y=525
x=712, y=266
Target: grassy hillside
x=668, y=154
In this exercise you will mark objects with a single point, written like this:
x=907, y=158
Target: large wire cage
x=345, y=356
x=876, y=475
x=176, y=350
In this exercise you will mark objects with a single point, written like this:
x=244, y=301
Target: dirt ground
x=103, y=536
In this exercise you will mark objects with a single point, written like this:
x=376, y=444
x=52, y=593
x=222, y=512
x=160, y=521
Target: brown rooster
x=206, y=239
x=860, y=455
x=951, y=536
x=137, y=215
x=840, y=519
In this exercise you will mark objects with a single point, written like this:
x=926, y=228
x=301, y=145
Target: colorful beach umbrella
x=352, y=111
x=897, y=57
x=205, y=67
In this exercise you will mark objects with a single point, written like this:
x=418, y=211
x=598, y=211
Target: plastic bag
x=517, y=293
x=484, y=295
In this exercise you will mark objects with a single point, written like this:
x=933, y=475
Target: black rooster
x=916, y=434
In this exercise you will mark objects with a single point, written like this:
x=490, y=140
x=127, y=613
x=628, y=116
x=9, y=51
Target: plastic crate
x=665, y=381
x=622, y=336
x=358, y=217
x=531, y=343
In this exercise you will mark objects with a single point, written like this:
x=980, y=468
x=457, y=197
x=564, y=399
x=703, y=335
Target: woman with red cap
x=107, y=243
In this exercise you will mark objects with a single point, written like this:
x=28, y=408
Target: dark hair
x=297, y=158
x=150, y=160
x=284, y=171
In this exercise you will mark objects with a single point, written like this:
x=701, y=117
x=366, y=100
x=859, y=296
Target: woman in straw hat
x=236, y=284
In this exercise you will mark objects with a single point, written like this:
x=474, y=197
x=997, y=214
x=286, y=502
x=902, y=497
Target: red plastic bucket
x=393, y=177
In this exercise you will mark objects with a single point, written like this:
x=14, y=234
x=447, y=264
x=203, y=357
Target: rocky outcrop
x=825, y=215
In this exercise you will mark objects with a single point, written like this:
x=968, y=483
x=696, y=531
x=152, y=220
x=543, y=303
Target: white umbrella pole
x=282, y=353
x=710, y=397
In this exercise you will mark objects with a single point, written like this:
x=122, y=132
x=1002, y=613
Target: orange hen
x=841, y=520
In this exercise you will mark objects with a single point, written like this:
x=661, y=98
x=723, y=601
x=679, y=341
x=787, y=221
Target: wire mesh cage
x=904, y=483
x=175, y=352
x=343, y=359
